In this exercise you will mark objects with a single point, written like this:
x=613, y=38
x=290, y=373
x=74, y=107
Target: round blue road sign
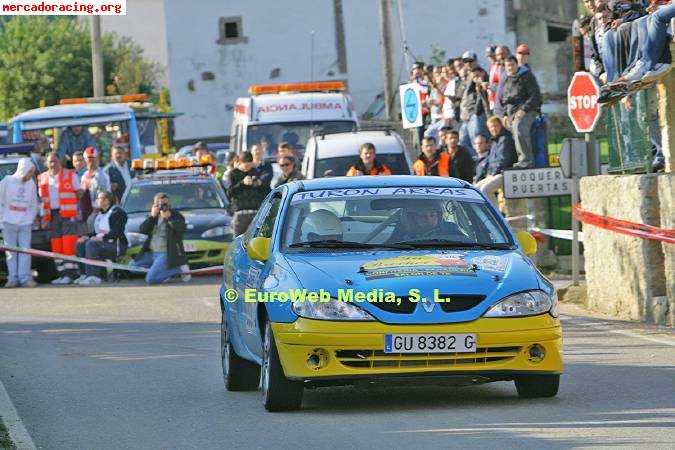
x=411, y=105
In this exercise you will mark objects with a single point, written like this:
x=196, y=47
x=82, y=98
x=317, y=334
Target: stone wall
x=625, y=275
x=667, y=204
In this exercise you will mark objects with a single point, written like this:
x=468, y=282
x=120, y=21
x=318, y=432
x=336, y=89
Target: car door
x=257, y=272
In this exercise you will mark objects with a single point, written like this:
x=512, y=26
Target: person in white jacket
x=18, y=209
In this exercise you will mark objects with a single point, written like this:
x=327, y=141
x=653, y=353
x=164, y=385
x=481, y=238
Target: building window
x=557, y=33
x=230, y=31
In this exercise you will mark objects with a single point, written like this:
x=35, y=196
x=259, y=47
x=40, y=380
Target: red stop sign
x=582, y=102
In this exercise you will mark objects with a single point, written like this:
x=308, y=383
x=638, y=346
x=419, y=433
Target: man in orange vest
x=432, y=161
x=60, y=190
x=368, y=163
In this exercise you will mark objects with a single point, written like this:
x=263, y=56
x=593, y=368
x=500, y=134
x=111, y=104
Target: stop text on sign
x=583, y=101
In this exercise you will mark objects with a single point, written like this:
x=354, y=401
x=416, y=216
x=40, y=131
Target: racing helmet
x=321, y=225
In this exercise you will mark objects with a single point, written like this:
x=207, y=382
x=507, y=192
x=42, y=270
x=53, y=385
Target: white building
x=212, y=50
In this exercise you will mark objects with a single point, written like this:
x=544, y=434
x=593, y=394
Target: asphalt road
x=138, y=367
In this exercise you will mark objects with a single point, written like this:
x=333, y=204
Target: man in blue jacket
x=119, y=172
x=501, y=156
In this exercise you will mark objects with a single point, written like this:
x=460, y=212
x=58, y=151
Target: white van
x=333, y=154
x=291, y=113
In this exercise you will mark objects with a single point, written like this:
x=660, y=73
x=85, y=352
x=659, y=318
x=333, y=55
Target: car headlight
x=217, y=231
x=528, y=303
x=332, y=309
x=135, y=238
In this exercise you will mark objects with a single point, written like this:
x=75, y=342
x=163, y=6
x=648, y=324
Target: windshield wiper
x=333, y=243
x=447, y=243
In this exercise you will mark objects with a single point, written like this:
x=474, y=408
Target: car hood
x=477, y=279
x=196, y=220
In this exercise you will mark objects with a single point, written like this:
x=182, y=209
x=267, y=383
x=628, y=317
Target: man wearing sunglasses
x=289, y=171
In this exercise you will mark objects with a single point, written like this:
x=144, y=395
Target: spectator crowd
x=628, y=51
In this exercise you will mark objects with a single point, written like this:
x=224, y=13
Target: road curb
x=15, y=428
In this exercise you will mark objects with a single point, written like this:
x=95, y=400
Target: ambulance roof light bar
x=315, y=86
x=128, y=98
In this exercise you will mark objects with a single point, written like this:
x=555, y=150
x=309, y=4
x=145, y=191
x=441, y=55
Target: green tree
x=50, y=58
x=127, y=71
x=42, y=58
x=437, y=57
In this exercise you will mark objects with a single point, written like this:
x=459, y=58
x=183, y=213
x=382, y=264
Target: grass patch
x=5, y=442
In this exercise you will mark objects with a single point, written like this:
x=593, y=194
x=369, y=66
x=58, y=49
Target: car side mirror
x=527, y=242
x=259, y=248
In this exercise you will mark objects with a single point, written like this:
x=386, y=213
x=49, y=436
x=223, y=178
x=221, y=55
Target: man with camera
x=246, y=192
x=163, y=252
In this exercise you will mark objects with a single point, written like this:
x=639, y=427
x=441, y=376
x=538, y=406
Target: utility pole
x=387, y=59
x=97, y=57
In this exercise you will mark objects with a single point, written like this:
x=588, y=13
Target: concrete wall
x=667, y=205
x=182, y=36
x=625, y=274
x=550, y=61
x=146, y=25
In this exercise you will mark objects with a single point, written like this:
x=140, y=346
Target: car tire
x=279, y=393
x=537, y=386
x=239, y=374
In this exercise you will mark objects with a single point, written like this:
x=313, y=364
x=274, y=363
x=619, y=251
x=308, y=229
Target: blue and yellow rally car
x=376, y=278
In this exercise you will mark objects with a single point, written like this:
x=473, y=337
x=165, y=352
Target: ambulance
x=291, y=112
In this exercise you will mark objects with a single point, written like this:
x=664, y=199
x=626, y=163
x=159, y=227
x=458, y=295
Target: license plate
x=430, y=343
x=189, y=247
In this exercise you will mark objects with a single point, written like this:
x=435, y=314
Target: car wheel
x=238, y=373
x=279, y=393
x=537, y=386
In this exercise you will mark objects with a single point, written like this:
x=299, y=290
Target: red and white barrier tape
x=624, y=226
x=94, y=262
x=558, y=234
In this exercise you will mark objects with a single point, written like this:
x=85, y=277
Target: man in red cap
x=94, y=181
x=523, y=55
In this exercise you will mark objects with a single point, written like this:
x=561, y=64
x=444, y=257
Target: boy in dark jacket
x=163, y=252
x=461, y=161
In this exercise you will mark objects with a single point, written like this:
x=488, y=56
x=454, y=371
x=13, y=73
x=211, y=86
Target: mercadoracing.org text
x=63, y=7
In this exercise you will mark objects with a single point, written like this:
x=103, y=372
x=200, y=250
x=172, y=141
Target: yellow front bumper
x=355, y=349
x=200, y=253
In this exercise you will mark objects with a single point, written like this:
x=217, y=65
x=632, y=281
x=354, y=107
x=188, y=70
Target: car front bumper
x=200, y=253
x=348, y=350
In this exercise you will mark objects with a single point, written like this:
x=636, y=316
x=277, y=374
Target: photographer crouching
x=163, y=252
x=247, y=190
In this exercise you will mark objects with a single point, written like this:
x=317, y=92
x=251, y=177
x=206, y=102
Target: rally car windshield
x=183, y=195
x=295, y=133
x=392, y=218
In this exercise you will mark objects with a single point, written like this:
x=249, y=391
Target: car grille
x=203, y=253
x=404, y=307
x=375, y=359
x=195, y=255
x=457, y=303
x=460, y=302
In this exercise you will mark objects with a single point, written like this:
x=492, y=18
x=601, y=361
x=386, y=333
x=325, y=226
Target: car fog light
x=317, y=359
x=536, y=353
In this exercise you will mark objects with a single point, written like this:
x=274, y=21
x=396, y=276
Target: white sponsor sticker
x=421, y=192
